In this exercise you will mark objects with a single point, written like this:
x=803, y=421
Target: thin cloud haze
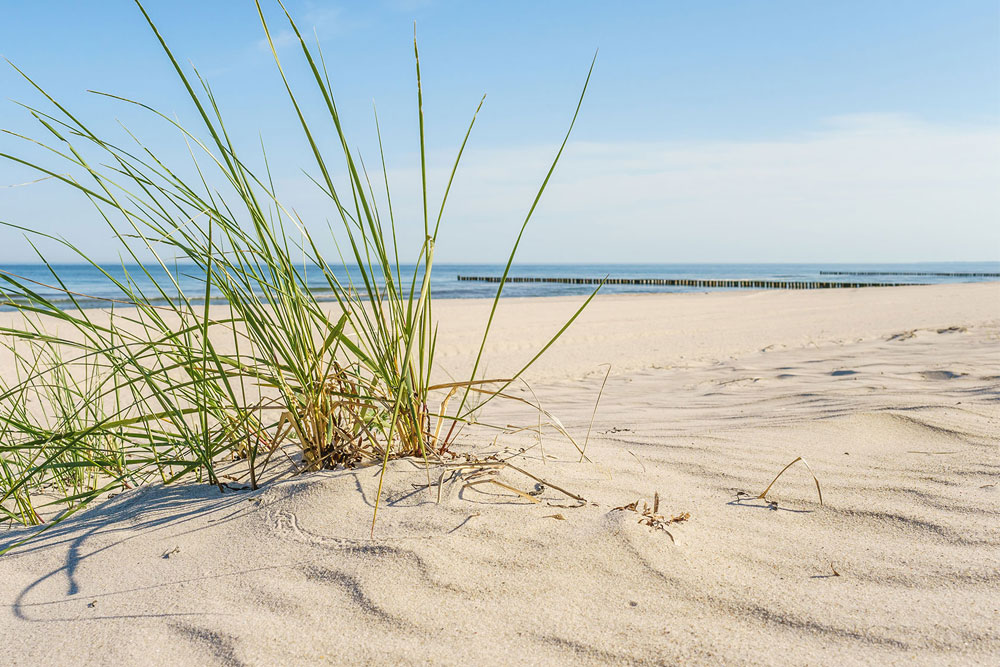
x=883, y=186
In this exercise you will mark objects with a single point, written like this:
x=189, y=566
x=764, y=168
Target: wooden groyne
x=908, y=273
x=688, y=282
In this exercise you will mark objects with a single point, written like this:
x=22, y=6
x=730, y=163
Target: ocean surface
x=89, y=281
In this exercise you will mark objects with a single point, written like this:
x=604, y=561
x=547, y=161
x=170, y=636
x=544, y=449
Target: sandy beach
x=892, y=396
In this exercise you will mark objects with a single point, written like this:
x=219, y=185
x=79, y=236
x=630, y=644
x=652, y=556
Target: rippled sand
x=891, y=395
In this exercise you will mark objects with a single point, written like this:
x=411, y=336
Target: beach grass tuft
x=160, y=385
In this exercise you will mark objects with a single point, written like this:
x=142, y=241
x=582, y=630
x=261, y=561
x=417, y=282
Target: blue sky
x=713, y=131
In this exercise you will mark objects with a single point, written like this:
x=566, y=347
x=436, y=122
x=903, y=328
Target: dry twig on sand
x=763, y=495
x=651, y=517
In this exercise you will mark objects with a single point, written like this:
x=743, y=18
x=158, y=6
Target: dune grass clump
x=163, y=385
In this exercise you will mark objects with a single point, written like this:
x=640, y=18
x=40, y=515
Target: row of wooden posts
x=687, y=282
x=908, y=273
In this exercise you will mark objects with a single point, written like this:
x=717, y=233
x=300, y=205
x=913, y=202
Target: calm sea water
x=87, y=280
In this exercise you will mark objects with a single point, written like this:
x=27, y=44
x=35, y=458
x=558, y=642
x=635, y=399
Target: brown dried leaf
x=631, y=507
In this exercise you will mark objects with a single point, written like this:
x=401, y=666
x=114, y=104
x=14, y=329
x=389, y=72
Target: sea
x=91, y=288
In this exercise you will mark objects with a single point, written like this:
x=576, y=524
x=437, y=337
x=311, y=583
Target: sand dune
x=891, y=395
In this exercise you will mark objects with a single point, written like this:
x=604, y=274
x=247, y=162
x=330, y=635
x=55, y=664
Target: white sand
x=711, y=394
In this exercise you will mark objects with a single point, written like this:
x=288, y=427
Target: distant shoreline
x=603, y=294
x=546, y=279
